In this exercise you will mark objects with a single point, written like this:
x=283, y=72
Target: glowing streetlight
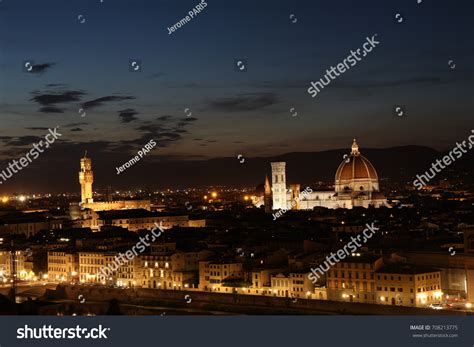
x=5, y=199
x=246, y=197
x=214, y=194
x=22, y=198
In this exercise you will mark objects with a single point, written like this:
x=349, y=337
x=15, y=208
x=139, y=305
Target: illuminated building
x=92, y=262
x=279, y=185
x=166, y=270
x=212, y=274
x=24, y=267
x=356, y=185
x=136, y=219
x=63, y=266
x=408, y=285
x=86, y=178
x=353, y=278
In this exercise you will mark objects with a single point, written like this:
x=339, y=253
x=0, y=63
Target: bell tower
x=86, y=178
x=279, y=185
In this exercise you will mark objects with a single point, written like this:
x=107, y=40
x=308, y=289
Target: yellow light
x=468, y=305
x=382, y=298
x=205, y=197
x=214, y=194
x=5, y=199
x=22, y=198
x=246, y=197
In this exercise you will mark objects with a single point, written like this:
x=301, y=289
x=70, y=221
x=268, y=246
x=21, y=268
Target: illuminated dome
x=356, y=174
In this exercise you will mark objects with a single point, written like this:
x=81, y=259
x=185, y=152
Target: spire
x=355, y=148
x=85, y=154
x=268, y=188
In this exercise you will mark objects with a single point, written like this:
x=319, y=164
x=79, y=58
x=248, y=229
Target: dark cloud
x=244, y=102
x=164, y=118
x=37, y=128
x=100, y=101
x=48, y=99
x=41, y=68
x=197, y=139
x=389, y=83
x=76, y=129
x=72, y=125
x=50, y=109
x=23, y=140
x=5, y=138
x=150, y=128
x=128, y=115
x=189, y=119
x=211, y=141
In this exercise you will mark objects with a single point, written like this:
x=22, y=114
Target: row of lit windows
x=218, y=266
x=355, y=265
x=56, y=269
x=93, y=261
x=88, y=269
x=356, y=285
x=280, y=283
x=392, y=278
x=349, y=274
x=56, y=261
x=392, y=289
x=218, y=273
x=425, y=289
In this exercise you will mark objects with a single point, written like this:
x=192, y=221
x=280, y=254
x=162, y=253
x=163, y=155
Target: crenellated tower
x=86, y=178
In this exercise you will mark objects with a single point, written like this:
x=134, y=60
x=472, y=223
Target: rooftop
x=404, y=268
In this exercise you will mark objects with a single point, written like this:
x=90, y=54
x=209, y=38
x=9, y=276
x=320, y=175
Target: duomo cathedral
x=356, y=185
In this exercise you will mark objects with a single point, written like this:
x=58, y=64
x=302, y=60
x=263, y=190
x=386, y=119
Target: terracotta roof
x=356, y=167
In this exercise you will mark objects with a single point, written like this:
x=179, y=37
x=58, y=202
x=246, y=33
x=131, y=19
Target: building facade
x=63, y=266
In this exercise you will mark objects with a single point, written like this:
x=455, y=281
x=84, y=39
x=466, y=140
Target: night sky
x=86, y=66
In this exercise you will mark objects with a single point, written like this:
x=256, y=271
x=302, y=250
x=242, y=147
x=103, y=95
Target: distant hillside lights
x=447, y=160
x=147, y=148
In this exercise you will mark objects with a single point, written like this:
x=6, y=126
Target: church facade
x=356, y=185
